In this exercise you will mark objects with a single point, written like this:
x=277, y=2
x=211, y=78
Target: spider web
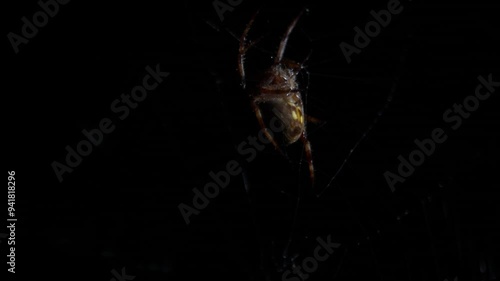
x=413, y=234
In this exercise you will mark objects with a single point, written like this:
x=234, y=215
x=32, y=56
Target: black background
x=119, y=207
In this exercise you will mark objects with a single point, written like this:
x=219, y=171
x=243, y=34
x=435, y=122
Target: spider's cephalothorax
x=279, y=90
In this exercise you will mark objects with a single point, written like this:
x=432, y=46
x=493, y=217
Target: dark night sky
x=119, y=207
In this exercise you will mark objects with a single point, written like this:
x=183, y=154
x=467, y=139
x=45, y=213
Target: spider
x=278, y=89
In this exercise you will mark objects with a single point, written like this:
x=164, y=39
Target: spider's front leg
x=244, y=46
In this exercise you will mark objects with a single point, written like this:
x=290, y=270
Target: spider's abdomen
x=289, y=109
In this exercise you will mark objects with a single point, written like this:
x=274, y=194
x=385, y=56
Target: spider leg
x=308, y=150
x=243, y=49
x=311, y=119
x=258, y=113
x=284, y=40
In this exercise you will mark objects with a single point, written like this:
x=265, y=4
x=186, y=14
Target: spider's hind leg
x=314, y=120
x=308, y=150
